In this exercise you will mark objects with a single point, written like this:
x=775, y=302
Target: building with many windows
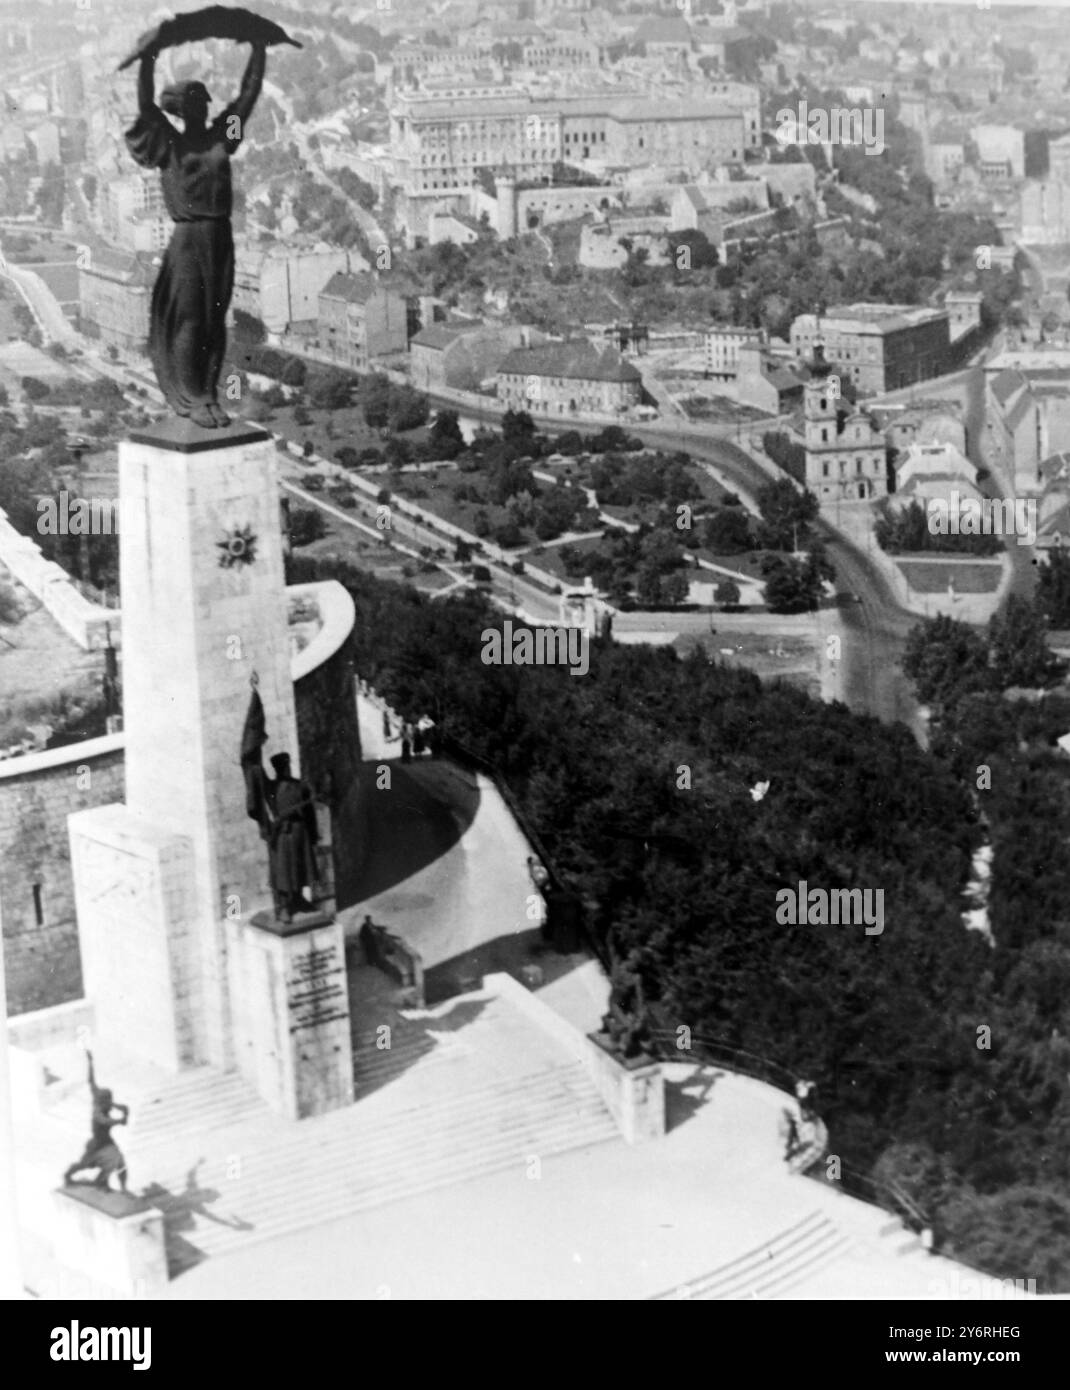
x=132, y=213
x=438, y=146
x=570, y=378
x=882, y=346
x=359, y=319
x=114, y=293
x=281, y=286
x=722, y=350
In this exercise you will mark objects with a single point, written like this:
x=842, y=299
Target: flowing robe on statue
x=187, y=330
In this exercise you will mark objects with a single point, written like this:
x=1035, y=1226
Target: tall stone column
x=204, y=605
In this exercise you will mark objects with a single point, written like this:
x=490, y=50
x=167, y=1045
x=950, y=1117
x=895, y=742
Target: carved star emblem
x=238, y=547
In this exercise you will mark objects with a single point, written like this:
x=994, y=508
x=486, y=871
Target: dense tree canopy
x=888, y=1024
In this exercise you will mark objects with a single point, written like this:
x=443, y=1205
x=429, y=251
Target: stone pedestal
x=137, y=932
x=633, y=1089
x=114, y=1240
x=290, y=1009
x=204, y=605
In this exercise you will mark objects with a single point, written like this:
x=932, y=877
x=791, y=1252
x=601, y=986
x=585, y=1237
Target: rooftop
x=416, y=106
x=576, y=359
x=1020, y=411
x=437, y=335
x=354, y=289
x=1051, y=361
x=881, y=318
x=1007, y=384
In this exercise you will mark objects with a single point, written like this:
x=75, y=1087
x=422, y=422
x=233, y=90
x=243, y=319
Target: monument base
x=136, y=932
x=290, y=1006
x=114, y=1239
x=632, y=1087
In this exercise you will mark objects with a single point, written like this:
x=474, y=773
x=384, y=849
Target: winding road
x=874, y=627
x=874, y=630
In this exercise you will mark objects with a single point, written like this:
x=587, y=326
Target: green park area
x=968, y=576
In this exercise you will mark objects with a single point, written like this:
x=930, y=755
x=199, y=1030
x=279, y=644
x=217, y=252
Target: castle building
x=439, y=145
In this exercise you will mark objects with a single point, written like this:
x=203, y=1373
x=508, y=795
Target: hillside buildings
x=882, y=346
x=439, y=146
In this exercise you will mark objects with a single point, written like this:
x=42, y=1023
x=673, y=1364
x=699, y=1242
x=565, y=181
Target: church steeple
x=817, y=365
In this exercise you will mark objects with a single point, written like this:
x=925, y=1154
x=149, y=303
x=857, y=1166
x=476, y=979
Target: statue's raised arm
x=235, y=117
x=146, y=83
x=191, y=297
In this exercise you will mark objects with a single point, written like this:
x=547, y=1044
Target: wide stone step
x=360, y=1134
x=350, y=1161
x=771, y=1269
x=332, y=1203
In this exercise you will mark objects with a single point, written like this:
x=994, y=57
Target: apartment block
x=359, y=319
x=114, y=293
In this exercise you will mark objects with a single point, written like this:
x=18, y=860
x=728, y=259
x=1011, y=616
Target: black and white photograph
x=535, y=663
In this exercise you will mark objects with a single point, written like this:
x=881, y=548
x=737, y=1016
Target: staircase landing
x=464, y=1090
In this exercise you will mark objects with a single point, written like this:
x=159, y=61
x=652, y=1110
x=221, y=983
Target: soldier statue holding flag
x=283, y=808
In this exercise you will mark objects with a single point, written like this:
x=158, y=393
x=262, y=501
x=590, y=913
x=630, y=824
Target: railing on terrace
x=888, y=1195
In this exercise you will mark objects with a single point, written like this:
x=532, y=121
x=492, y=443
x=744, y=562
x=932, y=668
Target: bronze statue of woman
x=187, y=333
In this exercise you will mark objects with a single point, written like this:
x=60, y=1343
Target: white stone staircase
x=453, y=1099
x=772, y=1269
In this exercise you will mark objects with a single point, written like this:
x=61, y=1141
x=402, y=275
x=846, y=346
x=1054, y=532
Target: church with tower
x=845, y=449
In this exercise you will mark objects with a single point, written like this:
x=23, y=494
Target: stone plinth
x=194, y=630
x=290, y=1011
x=115, y=1239
x=137, y=931
x=632, y=1087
